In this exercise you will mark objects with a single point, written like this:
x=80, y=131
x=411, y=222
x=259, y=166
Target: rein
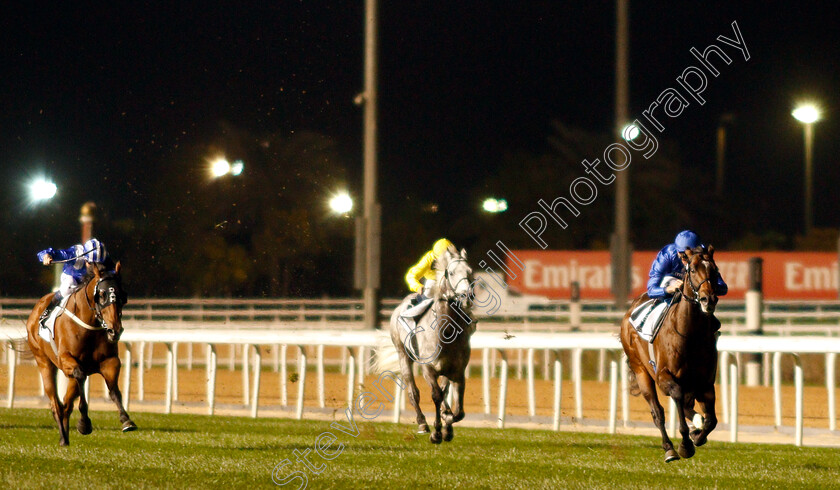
x=94, y=307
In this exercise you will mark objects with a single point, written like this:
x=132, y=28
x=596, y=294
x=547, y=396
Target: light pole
x=808, y=114
x=620, y=246
x=720, y=152
x=368, y=230
x=86, y=219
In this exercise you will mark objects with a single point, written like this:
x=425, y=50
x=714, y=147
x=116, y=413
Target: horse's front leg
x=110, y=370
x=675, y=391
x=407, y=368
x=458, y=385
x=70, y=367
x=69, y=400
x=48, y=371
x=437, y=396
x=707, y=398
x=648, y=389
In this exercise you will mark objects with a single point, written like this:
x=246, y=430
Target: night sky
x=100, y=98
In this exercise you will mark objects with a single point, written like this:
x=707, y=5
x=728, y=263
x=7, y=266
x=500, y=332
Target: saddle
x=647, y=318
x=47, y=331
x=408, y=321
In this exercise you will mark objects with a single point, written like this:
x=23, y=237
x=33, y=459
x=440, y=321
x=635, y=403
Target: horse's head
x=109, y=298
x=701, y=275
x=454, y=276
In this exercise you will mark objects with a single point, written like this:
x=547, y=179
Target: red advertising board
x=787, y=275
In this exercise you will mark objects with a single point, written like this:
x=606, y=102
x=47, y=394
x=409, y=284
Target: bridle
x=96, y=306
x=448, y=276
x=695, y=289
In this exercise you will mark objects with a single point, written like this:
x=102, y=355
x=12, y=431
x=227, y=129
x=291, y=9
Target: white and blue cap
x=686, y=239
x=95, y=251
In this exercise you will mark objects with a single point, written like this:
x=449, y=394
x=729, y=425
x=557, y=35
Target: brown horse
x=685, y=352
x=82, y=346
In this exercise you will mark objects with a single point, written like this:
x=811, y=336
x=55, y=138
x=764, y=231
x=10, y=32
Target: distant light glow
x=807, y=113
x=219, y=167
x=341, y=203
x=492, y=205
x=41, y=190
x=237, y=167
x=630, y=132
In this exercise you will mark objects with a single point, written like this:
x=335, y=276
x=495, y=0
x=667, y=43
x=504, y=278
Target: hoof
x=459, y=417
x=686, y=449
x=671, y=455
x=698, y=441
x=435, y=438
x=84, y=427
x=423, y=429
x=128, y=426
x=63, y=442
x=448, y=434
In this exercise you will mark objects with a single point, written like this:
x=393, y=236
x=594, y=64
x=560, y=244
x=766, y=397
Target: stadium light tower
x=41, y=190
x=808, y=114
x=341, y=203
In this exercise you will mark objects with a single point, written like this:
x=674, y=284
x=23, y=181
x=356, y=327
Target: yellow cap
x=440, y=246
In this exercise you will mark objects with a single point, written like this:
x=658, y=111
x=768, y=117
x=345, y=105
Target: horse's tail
x=633, y=382
x=386, y=357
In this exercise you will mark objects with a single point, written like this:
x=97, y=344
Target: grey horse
x=439, y=341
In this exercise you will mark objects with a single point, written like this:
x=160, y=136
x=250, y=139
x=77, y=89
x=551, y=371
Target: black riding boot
x=46, y=314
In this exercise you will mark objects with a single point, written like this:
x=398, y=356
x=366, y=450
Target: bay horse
x=83, y=345
x=439, y=342
x=685, y=353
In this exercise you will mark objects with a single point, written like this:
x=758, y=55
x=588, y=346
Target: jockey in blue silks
x=666, y=273
x=77, y=257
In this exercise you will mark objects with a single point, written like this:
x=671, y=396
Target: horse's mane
x=89, y=275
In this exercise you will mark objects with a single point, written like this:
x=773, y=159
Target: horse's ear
x=117, y=267
x=92, y=269
x=684, y=257
x=464, y=253
x=711, y=251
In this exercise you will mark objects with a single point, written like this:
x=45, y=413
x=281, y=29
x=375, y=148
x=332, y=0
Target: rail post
x=754, y=320
x=575, y=307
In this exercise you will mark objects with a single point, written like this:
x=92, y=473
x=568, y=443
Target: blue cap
x=686, y=239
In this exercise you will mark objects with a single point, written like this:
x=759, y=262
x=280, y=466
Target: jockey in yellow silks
x=421, y=275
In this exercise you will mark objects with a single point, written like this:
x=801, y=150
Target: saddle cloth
x=47, y=331
x=647, y=318
x=408, y=321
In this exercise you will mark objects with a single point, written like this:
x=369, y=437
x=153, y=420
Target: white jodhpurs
x=68, y=285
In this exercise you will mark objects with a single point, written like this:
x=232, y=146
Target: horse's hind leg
x=406, y=367
x=437, y=396
x=648, y=389
x=48, y=371
x=457, y=398
x=110, y=370
x=707, y=398
x=675, y=391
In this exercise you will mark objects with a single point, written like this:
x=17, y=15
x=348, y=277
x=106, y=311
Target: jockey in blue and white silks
x=77, y=257
x=666, y=273
x=668, y=265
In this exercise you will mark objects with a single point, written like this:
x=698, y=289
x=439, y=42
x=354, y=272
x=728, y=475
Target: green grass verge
x=191, y=451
